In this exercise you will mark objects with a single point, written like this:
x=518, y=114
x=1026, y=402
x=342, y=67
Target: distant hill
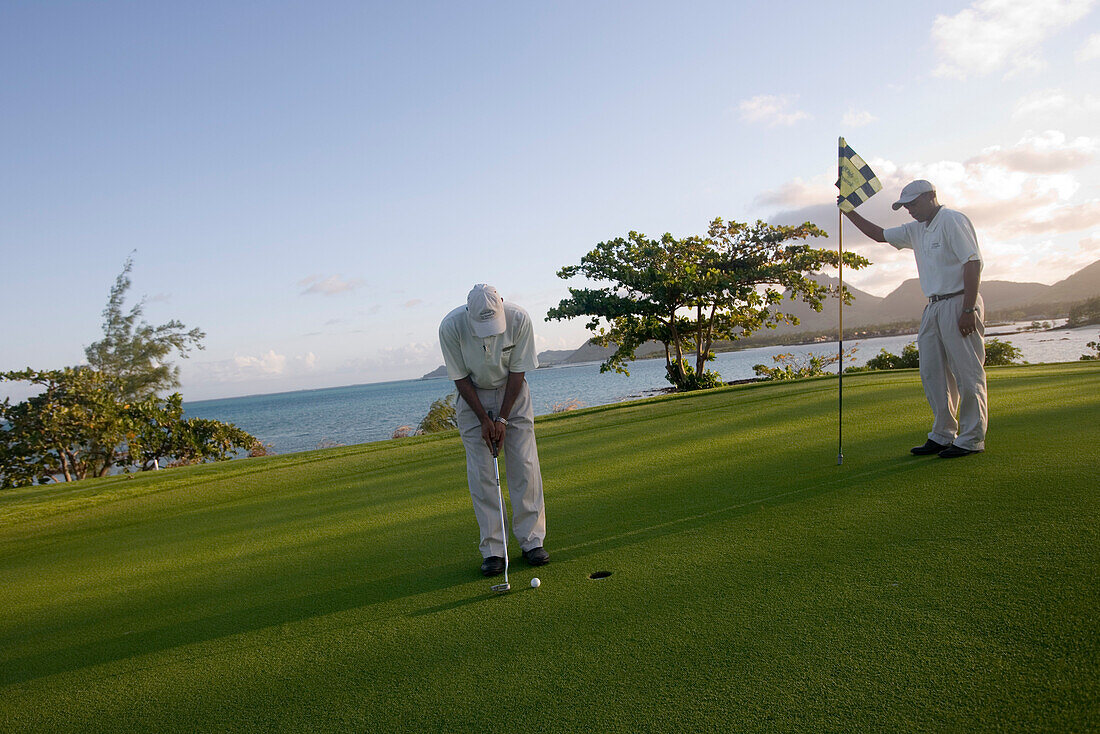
x=1003, y=300
x=546, y=359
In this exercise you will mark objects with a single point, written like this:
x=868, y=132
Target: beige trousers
x=521, y=459
x=953, y=374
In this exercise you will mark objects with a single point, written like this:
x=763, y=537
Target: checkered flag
x=855, y=179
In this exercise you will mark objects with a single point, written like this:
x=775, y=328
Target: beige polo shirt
x=487, y=361
x=941, y=246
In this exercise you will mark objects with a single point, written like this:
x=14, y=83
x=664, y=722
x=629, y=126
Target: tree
x=70, y=429
x=132, y=353
x=689, y=293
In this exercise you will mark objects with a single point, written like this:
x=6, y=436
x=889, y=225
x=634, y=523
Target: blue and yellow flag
x=855, y=179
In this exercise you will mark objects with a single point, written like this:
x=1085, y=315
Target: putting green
x=754, y=584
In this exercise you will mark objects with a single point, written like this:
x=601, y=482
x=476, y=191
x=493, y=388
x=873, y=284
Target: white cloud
x=1091, y=49
x=1048, y=152
x=328, y=286
x=413, y=302
x=1055, y=103
x=771, y=110
x=857, y=118
x=1025, y=201
x=992, y=35
x=267, y=364
x=260, y=368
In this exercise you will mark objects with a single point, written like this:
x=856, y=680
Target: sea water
x=309, y=419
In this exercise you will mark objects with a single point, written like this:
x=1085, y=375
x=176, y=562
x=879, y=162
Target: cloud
x=413, y=302
x=329, y=286
x=1049, y=152
x=267, y=364
x=992, y=35
x=1055, y=102
x=857, y=118
x=771, y=110
x=1026, y=219
x=1091, y=49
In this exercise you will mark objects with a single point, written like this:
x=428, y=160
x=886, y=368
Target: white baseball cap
x=485, y=309
x=912, y=190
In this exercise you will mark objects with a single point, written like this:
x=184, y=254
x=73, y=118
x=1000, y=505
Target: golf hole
x=599, y=575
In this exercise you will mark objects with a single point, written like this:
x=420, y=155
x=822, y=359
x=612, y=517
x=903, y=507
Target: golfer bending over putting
x=950, y=340
x=487, y=346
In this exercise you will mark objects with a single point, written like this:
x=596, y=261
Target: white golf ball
x=535, y=583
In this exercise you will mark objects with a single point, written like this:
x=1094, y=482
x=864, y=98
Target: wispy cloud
x=1089, y=51
x=269, y=365
x=995, y=35
x=330, y=286
x=771, y=110
x=413, y=302
x=1055, y=103
x=858, y=118
x=1049, y=152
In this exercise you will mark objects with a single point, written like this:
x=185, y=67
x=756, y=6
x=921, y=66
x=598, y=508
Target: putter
x=500, y=588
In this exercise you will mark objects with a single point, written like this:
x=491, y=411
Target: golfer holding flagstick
x=488, y=345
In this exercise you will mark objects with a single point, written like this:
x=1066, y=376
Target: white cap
x=485, y=309
x=912, y=190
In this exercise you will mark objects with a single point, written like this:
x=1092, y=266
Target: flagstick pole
x=840, y=344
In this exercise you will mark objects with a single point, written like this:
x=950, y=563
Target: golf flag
x=855, y=179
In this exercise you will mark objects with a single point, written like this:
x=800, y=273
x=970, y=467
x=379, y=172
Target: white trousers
x=953, y=374
x=521, y=459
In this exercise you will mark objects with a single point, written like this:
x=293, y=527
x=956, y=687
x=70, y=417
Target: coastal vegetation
x=754, y=584
x=1085, y=313
x=90, y=420
x=997, y=353
x=690, y=292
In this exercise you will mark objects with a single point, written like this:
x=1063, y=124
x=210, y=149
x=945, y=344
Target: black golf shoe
x=536, y=556
x=492, y=566
x=930, y=447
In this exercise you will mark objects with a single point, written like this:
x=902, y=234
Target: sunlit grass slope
x=755, y=584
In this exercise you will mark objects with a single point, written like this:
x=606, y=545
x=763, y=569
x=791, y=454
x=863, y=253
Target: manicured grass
x=755, y=584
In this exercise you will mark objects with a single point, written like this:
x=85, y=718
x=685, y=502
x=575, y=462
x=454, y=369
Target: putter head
x=501, y=588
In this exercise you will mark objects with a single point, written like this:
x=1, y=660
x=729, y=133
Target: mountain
x=1003, y=300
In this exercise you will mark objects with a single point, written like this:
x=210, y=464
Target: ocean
x=308, y=419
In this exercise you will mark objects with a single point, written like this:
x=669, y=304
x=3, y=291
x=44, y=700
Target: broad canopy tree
x=689, y=293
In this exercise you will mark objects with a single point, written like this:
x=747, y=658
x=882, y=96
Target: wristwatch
x=502, y=419
x=970, y=310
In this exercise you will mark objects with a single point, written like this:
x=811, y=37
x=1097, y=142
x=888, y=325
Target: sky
x=316, y=184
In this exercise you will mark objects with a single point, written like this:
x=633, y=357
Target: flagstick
x=840, y=344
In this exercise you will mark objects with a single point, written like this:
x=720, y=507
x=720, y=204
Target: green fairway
x=755, y=584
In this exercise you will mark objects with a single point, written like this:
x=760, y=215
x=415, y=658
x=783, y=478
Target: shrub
x=998, y=352
x=1094, y=346
x=440, y=417
x=790, y=367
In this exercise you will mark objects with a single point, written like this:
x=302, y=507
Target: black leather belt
x=944, y=297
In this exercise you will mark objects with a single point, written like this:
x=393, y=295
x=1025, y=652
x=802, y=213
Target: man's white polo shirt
x=941, y=246
x=487, y=361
